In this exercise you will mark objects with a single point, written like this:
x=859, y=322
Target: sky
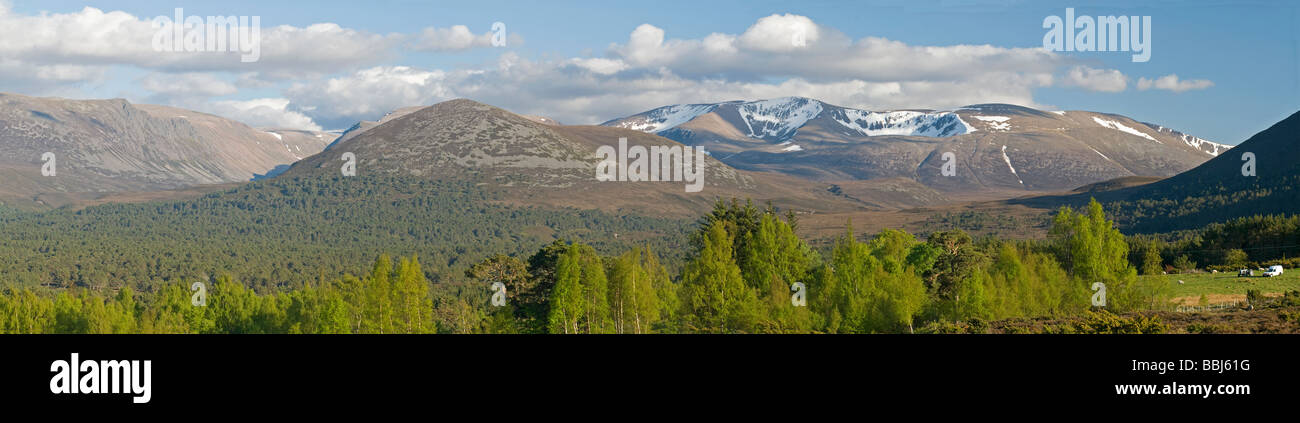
x=1219, y=70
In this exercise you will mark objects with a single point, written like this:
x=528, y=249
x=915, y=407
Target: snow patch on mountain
x=1007, y=159
x=996, y=123
x=667, y=117
x=1209, y=147
x=778, y=118
x=906, y=122
x=795, y=147
x=1123, y=128
x=1099, y=154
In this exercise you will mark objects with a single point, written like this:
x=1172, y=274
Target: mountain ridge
x=112, y=145
x=463, y=139
x=1002, y=147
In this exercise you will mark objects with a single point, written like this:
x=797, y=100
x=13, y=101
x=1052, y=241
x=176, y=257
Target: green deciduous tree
x=715, y=298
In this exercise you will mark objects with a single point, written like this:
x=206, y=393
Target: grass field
x=1227, y=287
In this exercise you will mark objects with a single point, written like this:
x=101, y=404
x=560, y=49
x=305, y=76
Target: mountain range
x=1000, y=150
x=540, y=162
x=795, y=152
x=460, y=180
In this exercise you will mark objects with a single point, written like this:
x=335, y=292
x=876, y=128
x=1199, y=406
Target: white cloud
x=457, y=37
x=92, y=37
x=1104, y=80
x=187, y=85
x=262, y=113
x=54, y=80
x=63, y=53
x=1172, y=83
x=336, y=78
x=651, y=69
x=765, y=50
x=369, y=93
x=781, y=33
x=552, y=88
x=600, y=66
x=646, y=46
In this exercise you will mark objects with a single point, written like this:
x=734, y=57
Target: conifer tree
x=714, y=296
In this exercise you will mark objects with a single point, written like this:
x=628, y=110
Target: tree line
x=745, y=272
x=1244, y=242
x=284, y=233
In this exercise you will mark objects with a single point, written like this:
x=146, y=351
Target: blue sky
x=1248, y=51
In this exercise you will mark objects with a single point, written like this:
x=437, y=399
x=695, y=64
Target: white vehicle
x=1273, y=271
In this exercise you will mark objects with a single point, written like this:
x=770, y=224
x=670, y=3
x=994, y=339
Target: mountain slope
x=999, y=148
x=1218, y=190
x=365, y=125
x=112, y=146
x=543, y=163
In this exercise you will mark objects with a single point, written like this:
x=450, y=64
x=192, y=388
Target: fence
x=1233, y=305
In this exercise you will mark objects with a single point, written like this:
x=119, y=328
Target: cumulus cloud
x=94, y=38
x=368, y=93
x=1172, y=83
x=1104, y=80
x=262, y=113
x=457, y=37
x=781, y=33
x=573, y=93
x=790, y=45
x=60, y=53
x=779, y=55
x=333, y=76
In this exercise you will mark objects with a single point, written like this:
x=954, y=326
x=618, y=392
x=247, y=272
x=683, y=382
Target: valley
x=459, y=183
x=378, y=205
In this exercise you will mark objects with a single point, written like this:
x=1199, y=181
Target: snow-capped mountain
x=667, y=117
x=780, y=119
x=905, y=122
x=777, y=119
x=535, y=161
x=999, y=146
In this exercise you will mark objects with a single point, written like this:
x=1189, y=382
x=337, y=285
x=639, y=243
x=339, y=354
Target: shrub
x=1105, y=322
